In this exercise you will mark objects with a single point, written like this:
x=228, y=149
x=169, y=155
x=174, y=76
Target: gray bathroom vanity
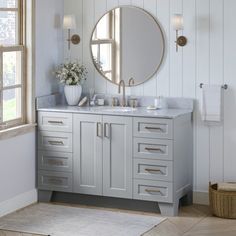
x=116, y=152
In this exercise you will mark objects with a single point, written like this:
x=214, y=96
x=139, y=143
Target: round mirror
x=127, y=44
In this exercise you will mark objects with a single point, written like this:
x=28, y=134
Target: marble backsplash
x=172, y=103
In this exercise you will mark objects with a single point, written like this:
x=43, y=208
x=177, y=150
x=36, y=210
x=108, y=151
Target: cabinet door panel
x=117, y=157
x=87, y=154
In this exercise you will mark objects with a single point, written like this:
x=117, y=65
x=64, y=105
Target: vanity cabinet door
x=117, y=156
x=87, y=168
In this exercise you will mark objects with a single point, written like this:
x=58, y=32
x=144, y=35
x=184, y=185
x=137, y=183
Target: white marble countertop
x=106, y=110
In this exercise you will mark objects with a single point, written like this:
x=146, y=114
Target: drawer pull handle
x=150, y=191
x=107, y=130
x=54, y=162
x=99, y=130
x=55, y=122
x=56, y=143
x=153, y=170
x=154, y=128
x=55, y=181
x=154, y=149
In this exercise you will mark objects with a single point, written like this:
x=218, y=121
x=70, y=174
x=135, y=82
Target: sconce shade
x=178, y=22
x=69, y=22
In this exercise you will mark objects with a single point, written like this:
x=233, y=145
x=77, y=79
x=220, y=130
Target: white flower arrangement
x=71, y=73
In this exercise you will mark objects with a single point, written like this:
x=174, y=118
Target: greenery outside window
x=12, y=64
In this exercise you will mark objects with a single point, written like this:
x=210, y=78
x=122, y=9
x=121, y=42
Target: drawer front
x=51, y=121
x=153, y=149
x=149, y=190
x=55, y=141
x=55, y=181
x=153, y=128
x=55, y=161
x=153, y=170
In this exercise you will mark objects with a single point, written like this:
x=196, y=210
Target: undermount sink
x=119, y=109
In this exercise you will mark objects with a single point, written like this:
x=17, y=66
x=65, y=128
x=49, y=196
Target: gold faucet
x=122, y=83
x=131, y=82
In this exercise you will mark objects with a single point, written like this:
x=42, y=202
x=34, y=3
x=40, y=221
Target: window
x=12, y=64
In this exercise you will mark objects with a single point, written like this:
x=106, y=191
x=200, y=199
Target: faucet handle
x=131, y=82
x=114, y=101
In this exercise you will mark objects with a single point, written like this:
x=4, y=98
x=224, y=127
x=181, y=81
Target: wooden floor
x=192, y=221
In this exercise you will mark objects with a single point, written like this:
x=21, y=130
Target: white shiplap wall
x=208, y=58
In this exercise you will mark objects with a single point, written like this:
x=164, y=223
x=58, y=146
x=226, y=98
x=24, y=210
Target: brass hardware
x=153, y=170
x=225, y=86
x=55, y=181
x=114, y=101
x=55, y=122
x=55, y=162
x=153, y=191
x=75, y=39
x=154, y=149
x=99, y=128
x=106, y=130
x=133, y=102
x=131, y=82
x=180, y=41
x=154, y=128
x=57, y=143
x=122, y=83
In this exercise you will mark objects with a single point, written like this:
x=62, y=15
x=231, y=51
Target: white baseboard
x=18, y=202
x=201, y=198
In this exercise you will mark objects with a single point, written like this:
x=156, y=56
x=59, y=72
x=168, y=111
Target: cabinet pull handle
x=55, y=122
x=154, y=128
x=150, y=191
x=154, y=149
x=55, y=162
x=56, y=143
x=55, y=181
x=107, y=130
x=153, y=170
x=99, y=128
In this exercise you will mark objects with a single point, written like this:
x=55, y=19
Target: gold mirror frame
x=162, y=36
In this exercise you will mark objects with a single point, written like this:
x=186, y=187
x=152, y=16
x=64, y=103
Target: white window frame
x=19, y=47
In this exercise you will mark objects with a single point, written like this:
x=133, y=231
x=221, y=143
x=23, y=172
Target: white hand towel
x=211, y=107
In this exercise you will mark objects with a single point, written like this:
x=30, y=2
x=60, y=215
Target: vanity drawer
x=55, y=161
x=51, y=121
x=153, y=128
x=55, y=181
x=153, y=170
x=153, y=149
x=55, y=141
x=149, y=190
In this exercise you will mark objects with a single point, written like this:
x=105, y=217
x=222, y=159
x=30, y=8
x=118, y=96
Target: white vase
x=72, y=94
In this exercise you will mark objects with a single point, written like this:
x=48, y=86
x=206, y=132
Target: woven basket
x=222, y=203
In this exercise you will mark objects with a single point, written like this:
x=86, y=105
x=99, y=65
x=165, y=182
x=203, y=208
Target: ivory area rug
x=57, y=220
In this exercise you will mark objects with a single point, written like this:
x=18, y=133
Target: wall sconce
x=69, y=23
x=178, y=24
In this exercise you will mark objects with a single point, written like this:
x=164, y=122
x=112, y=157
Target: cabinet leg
x=189, y=198
x=169, y=209
x=44, y=196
